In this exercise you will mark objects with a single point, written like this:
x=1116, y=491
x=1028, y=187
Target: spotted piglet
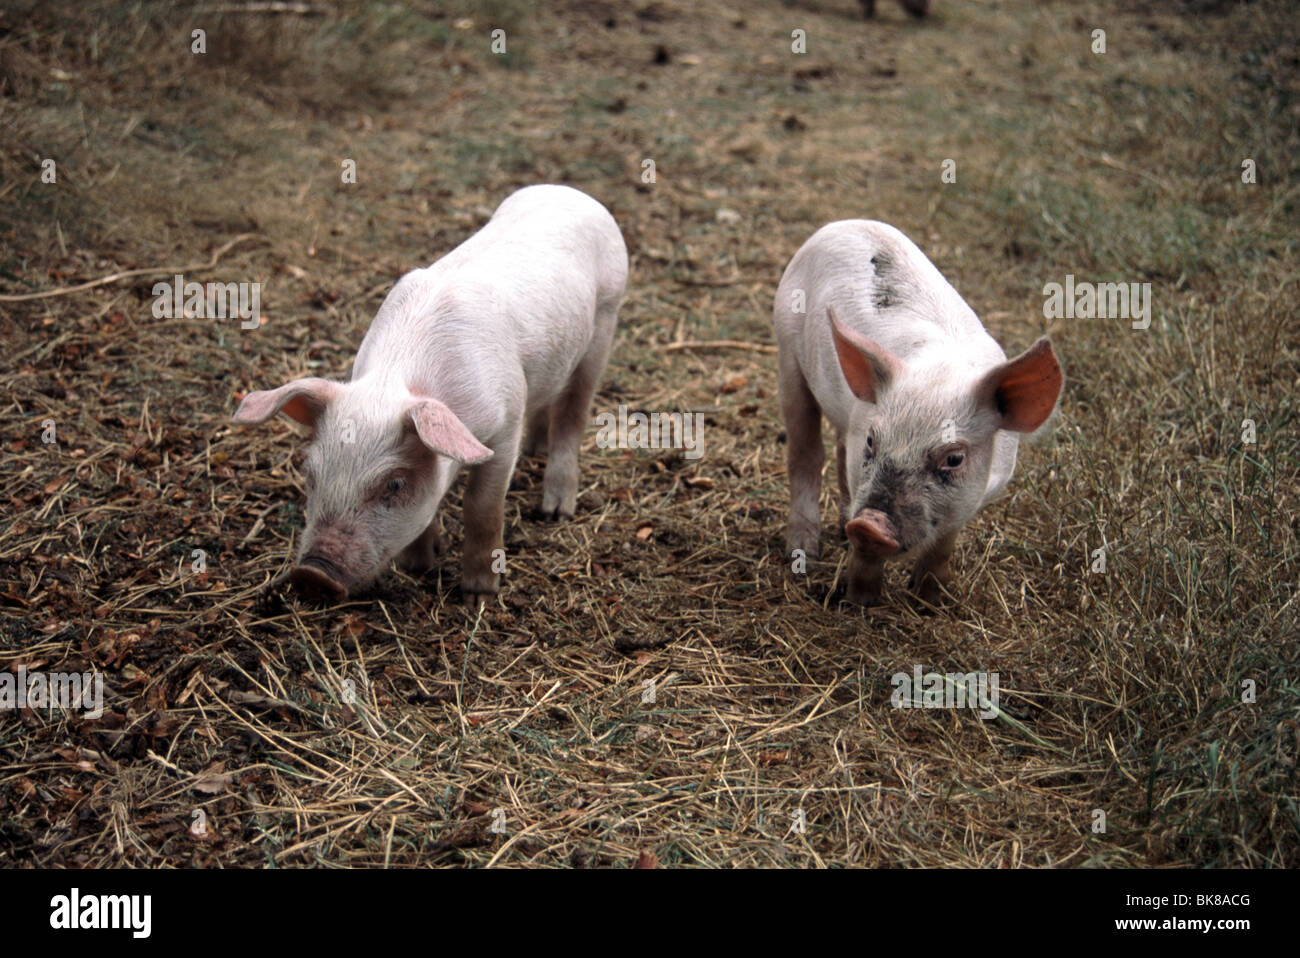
x=926, y=407
x=509, y=330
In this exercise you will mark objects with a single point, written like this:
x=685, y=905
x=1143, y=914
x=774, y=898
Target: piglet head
x=371, y=474
x=920, y=442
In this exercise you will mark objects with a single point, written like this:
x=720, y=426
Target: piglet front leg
x=932, y=572
x=872, y=539
x=863, y=578
x=804, y=459
x=484, y=517
x=421, y=555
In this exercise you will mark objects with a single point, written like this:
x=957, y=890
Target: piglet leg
x=536, y=438
x=843, y=475
x=932, y=571
x=421, y=555
x=484, y=518
x=804, y=458
x=569, y=417
x=863, y=578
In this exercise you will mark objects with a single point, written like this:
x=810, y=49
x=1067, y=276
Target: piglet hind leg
x=536, y=437
x=484, y=517
x=804, y=459
x=569, y=417
x=932, y=572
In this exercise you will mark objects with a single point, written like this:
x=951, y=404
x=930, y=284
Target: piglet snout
x=318, y=578
x=873, y=534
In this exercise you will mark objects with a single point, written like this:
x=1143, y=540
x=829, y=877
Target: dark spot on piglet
x=884, y=294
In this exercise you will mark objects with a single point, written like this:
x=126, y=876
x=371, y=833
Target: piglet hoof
x=862, y=595
x=804, y=538
x=477, y=600
x=479, y=589
x=557, y=507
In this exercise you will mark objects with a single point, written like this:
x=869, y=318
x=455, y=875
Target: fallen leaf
x=255, y=698
x=353, y=626
x=213, y=779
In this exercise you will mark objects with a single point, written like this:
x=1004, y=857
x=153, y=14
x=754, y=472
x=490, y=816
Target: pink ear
x=442, y=432
x=303, y=400
x=868, y=367
x=1024, y=390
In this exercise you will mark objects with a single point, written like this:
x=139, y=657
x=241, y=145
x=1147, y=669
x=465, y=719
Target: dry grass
x=1122, y=690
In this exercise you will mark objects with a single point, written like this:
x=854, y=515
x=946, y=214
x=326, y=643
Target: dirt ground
x=1150, y=703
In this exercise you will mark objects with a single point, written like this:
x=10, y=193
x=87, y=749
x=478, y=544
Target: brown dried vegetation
x=390, y=730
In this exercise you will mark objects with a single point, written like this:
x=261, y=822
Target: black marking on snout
x=911, y=515
x=893, y=491
x=884, y=485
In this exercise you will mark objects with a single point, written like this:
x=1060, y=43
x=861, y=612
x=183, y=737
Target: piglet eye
x=955, y=459
x=871, y=446
x=395, y=485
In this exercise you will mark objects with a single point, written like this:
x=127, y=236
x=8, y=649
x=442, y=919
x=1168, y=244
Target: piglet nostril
x=313, y=580
x=322, y=564
x=873, y=534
